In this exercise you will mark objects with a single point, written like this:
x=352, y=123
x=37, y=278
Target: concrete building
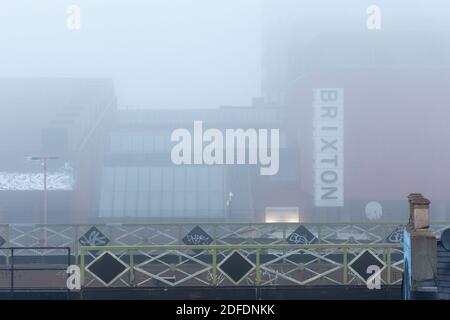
x=141, y=183
x=58, y=117
x=389, y=107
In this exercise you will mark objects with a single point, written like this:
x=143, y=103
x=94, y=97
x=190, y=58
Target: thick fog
x=161, y=54
x=73, y=72
x=181, y=53
x=175, y=149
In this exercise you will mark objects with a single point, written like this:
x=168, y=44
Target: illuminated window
x=282, y=214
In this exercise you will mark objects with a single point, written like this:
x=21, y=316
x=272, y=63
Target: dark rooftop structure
x=426, y=274
x=443, y=266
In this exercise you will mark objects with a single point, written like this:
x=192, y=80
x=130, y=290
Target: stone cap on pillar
x=419, y=211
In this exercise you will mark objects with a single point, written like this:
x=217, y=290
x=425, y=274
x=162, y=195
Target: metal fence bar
x=82, y=266
x=389, y=267
x=258, y=267
x=248, y=249
x=345, y=263
x=12, y=263
x=214, y=267
x=130, y=252
x=24, y=235
x=12, y=271
x=243, y=247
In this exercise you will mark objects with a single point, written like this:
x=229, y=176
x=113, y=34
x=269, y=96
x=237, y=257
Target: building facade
x=65, y=119
x=141, y=182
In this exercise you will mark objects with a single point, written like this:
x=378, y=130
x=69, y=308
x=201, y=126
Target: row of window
x=182, y=192
x=234, y=115
x=138, y=143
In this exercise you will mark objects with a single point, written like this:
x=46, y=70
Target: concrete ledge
x=246, y=293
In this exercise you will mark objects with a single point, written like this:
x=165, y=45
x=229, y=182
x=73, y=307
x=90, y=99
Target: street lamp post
x=44, y=161
x=228, y=203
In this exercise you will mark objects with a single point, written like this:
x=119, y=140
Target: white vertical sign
x=328, y=133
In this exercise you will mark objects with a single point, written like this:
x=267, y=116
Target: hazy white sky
x=160, y=53
x=177, y=53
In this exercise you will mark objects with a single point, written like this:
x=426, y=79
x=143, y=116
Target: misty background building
x=139, y=180
x=114, y=162
x=62, y=118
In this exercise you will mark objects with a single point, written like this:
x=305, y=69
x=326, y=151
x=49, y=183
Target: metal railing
x=254, y=265
x=73, y=236
x=34, y=274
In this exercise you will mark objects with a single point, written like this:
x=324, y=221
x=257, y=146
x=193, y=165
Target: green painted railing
x=322, y=268
x=118, y=234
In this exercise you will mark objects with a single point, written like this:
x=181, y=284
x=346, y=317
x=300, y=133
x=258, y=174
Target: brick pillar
x=420, y=251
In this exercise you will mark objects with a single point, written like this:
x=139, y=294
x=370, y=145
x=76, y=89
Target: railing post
x=285, y=239
x=258, y=267
x=82, y=266
x=8, y=242
x=214, y=267
x=214, y=234
x=12, y=270
x=7, y=258
x=131, y=255
x=319, y=234
x=389, y=267
x=179, y=229
x=75, y=243
x=110, y=233
x=8, y=235
x=345, y=262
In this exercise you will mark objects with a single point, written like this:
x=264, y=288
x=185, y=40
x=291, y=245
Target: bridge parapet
x=74, y=236
x=240, y=265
